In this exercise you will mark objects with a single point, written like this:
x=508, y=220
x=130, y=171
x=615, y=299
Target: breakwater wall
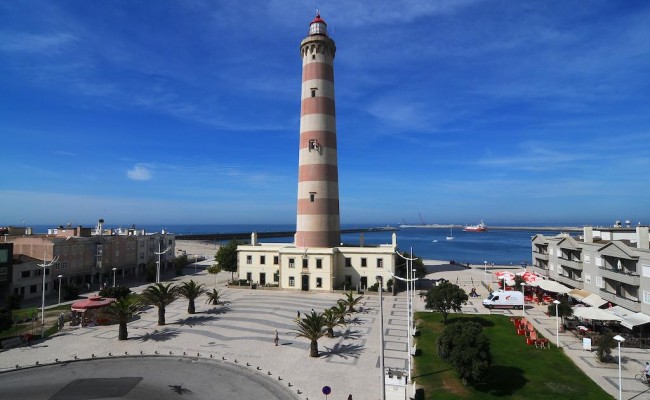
x=218, y=237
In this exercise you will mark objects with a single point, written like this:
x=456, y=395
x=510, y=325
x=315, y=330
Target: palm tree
x=331, y=320
x=350, y=301
x=312, y=328
x=213, y=297
x=122, y=311
x=161, y=296
x=191, y=290
x=341, y=311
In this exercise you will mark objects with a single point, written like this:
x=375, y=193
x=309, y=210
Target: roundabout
x=159, y=377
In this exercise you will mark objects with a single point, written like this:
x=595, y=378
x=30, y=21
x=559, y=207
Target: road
x=159, y=378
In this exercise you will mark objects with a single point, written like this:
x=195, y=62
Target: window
x=276, y=260
x=348, y=262
x=249, y=276
x=645, y=270
x=599, y=261
x=646, y=297
x=32, y=289
x=24, y=274
x=319, y=263
x=587, y=259
x=64, y=265
x=292, y=263
x=364, y=262
x=312, y=197
x=599, y=282
x=314, y=145
x=313, y=92
x=292, y=281
x=319, y=282
x=249, y=259
x=588, y=278
x=313, y=56
x=305, y=263
x=262, y=260
x=380, y=263
x=276, y=277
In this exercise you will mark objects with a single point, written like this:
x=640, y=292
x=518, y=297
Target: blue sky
x=188, y=111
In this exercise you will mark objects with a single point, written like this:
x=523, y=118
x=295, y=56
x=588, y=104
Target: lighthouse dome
x=318, y=26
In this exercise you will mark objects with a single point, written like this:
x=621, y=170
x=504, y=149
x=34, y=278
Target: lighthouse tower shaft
x=318, y=222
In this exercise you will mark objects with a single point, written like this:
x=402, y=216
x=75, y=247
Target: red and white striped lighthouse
x=318, y=223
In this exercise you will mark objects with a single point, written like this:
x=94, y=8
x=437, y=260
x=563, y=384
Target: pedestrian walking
x=349, y=397
x=298, y=315
x=276, y=339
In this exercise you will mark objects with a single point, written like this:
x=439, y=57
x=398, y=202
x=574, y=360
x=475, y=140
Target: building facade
x=613, y=263
x=84, y=257
x=317, y=260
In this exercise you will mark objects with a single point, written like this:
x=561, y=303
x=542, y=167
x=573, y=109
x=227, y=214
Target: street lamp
x=381, y=339
x=44, y=266
x=557, y=323
x=485, y=271
x=114, y=272
x=159, y=253
x=408, y=280
x=523, y=300
x=619, y=339
x=60, y=276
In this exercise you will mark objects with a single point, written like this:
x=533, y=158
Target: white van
x=507, y=299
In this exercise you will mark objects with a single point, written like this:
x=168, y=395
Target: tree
x=214, y=269
x=161, y=296
x=418, y=265
x=191, y=290
x=312, y=328
x=607, y=343
x=350, y=301
x=122, y=311
x=213, y=297
x=444, y=298
x=564, y=309
x=331, y=320
x=226, y=257
x=465, y=346
x=519, y=280
x=181, y=262
x=341, y=310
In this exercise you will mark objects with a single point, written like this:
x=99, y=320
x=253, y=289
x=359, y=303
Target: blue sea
x=505, y=247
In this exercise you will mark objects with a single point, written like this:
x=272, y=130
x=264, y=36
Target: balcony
x=539, y=270
x=628, y=279
x=630, y=304
x=573, y=264
x=540, y=256
x=570, y=282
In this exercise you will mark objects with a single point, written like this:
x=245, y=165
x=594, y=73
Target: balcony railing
x=615, y=275
x=574, y=283
x=539, y=270
x=630, y=304
x=540, y=256
x=571, y=264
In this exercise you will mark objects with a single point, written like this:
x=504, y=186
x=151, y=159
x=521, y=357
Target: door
x=305, y=282
x=364, y=282
x=262, y=278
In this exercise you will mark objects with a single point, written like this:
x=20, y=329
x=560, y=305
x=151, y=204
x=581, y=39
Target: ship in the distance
x=476, y=228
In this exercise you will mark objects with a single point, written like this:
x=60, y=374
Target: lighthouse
x=318, y=220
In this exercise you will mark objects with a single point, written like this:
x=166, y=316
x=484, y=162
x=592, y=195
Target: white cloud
x=140, y=172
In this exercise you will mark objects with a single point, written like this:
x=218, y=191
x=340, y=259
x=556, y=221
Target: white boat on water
x=451, y=234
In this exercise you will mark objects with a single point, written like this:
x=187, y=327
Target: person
x=276, y=339
x=298, y=315
x=646, y=370
x=349, y=397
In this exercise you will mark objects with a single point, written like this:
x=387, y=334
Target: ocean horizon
x=503, y=247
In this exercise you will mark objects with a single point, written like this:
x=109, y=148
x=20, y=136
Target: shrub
x=118, y=292
x=70, y=292
x=607, y=342
x=464, y=345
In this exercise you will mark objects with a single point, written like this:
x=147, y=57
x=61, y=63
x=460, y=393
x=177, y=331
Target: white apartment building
x=612, y=264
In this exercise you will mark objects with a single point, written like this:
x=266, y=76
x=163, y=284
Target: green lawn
x=27, y=326
x=518, y=371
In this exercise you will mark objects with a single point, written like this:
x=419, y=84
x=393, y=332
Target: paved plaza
x=241, y=331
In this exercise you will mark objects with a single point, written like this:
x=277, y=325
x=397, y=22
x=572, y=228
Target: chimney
x=642, y=236
x=588, y=233
x=254, y=239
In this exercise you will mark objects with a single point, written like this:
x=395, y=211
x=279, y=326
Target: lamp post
x=60, y=276
x=619, y=339
x=159, y=253
x=114, y=272
x=523, y=300
x=381, y=339
x=44, y=266
x=408, y=306
x=557, y=323
x=485, y=271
